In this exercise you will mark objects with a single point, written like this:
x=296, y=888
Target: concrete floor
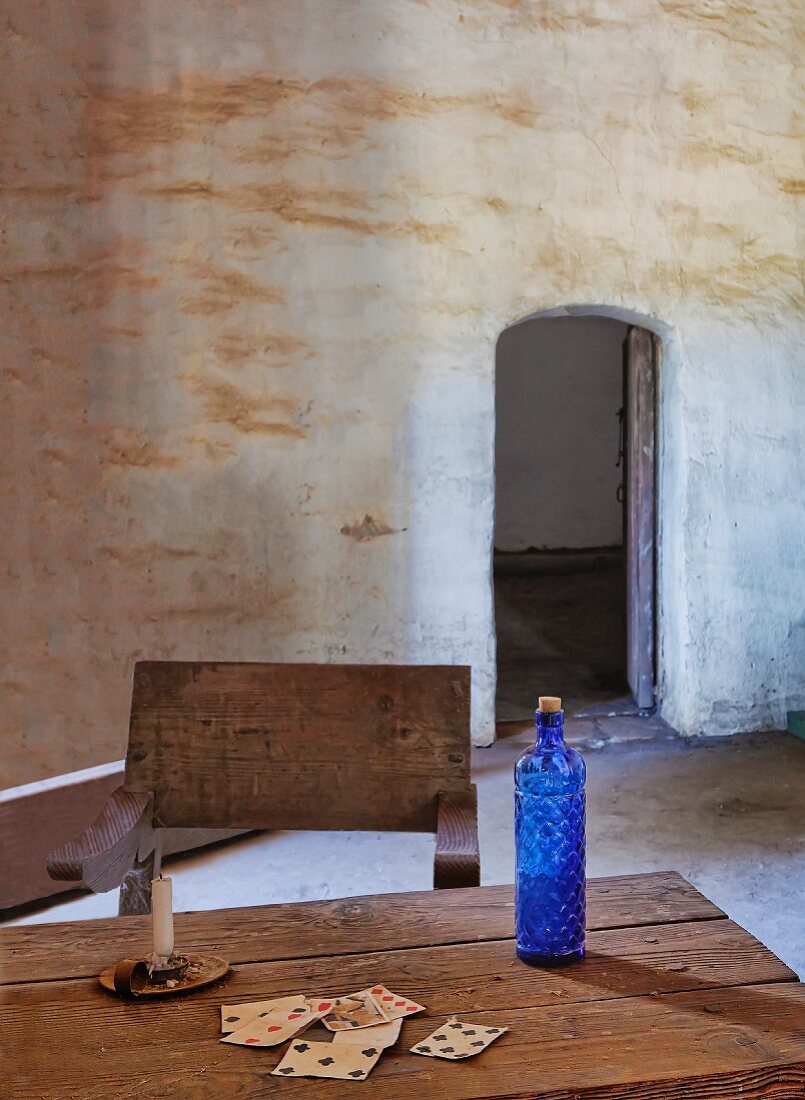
x=728, y=814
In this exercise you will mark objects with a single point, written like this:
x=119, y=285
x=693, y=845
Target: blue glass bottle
x=550, y=883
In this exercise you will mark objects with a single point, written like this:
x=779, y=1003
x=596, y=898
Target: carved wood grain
x=298, y=746
x=458, y=860
x=641, y=401
x=697, y=1009
x=311, y=928
x=101, y=856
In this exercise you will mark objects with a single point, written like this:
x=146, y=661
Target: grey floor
x=727, y=813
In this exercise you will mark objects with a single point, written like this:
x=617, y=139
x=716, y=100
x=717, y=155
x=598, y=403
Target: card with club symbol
x=357, y=1010
x=347, y=1062
x=394, y=1005
x=456, y=1040
x=234, y=1017
x=279, y=1024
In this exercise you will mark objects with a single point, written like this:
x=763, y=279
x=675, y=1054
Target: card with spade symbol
x=394, y=1005
x=234, y=1017
x=456, y=1040
x=279, y=1024
x=356, y=1010
x=347, y=1062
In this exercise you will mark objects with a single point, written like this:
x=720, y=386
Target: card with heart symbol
x=456, y=1040
x=234, y=1017
x=381, y=1035
x=394, y=1005
x=283, y=1023
x=347, y=1062
x=357, y=1010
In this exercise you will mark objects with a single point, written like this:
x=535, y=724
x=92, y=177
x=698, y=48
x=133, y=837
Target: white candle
x=162, y=917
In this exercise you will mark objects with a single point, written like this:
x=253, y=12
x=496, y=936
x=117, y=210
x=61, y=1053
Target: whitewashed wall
x=257, y=257
x=558, y=389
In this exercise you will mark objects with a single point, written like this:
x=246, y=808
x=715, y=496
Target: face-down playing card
x=278, y=1024
x=358, y=1010
x=456, y=1040
x=347, y=1061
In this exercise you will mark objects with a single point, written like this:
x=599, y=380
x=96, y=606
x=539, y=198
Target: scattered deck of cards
x=362, y=1026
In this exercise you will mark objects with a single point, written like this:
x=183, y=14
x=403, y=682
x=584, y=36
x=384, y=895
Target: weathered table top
x=672, y=1001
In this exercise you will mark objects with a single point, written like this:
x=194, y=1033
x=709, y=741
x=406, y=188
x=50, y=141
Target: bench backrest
x=282, y=746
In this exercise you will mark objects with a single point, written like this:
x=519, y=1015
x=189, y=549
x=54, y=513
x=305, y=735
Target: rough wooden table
x=672, y=1001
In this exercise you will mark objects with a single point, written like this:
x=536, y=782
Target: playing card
x=350, y=1061
x=380, y=1035
x=318, y=1033
x=392, y=1004
x=279, y=1024
x=456, y=1040
x=321, y=1006
x=234, y=1017
x=357, y=1010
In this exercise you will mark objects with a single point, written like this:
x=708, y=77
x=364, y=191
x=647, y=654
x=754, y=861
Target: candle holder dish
x=184, y=974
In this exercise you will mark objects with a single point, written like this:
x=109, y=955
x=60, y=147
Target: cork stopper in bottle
x=550, y=704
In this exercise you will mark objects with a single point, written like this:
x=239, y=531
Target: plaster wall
x=559, y=385
x=256, y=259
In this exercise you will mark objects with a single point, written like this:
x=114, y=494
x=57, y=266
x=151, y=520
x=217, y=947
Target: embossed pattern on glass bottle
x=550, y=883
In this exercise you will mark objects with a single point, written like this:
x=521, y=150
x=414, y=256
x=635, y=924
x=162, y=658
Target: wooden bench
x=275, y=746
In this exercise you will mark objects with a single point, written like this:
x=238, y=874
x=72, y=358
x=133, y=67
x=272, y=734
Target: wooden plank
x=298, y=746
x=657, y=1048
x=37, y=817
x=471, y=977
x=707, y=1040
x=640, y=513
x=475, y=977
x=102, y=855
x=458, y=859
x=374, y=923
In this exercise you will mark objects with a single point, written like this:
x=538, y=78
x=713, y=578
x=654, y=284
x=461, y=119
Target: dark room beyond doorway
x=561, y=523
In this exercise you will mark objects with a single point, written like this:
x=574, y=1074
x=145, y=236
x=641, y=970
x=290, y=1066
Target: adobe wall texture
x=257, y=256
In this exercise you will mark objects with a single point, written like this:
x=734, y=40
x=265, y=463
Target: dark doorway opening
x=574, y=562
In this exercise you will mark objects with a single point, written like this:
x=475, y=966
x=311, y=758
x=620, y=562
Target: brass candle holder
x=182, y=974
x=157, y=975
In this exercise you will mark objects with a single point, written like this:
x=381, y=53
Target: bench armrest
x=105, y=851
x=458, y=860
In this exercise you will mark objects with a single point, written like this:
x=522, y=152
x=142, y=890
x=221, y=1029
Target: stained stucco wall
x=257, y=257
x=558, y=389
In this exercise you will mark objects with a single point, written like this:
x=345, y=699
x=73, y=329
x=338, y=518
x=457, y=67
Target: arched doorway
x=575, y=544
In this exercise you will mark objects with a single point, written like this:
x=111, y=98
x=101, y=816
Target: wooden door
x=641, y=403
